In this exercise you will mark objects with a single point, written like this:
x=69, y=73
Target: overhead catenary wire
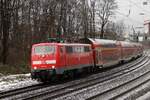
x=136, y=4
x=126, y=16
x=147, y=12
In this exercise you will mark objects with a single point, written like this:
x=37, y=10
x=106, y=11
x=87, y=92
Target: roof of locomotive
x=65, y=44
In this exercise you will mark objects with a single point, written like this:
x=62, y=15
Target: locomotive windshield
x=44, y=49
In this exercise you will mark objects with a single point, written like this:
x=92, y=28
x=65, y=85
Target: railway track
x=74, y=89
x=117, y=93
x=51, y=92
x=21, y=90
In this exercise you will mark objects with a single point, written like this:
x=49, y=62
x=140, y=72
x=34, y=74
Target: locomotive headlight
x=53, y=67
x=35, y=68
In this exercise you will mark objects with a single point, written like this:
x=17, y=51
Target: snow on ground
x=15, y=81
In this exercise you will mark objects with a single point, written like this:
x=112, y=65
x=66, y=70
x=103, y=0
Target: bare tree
x=105, y=9
x=6, y=8
x=115, y=30
x=91, y=18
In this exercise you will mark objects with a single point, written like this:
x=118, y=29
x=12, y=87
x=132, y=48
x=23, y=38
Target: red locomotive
x=49, y=60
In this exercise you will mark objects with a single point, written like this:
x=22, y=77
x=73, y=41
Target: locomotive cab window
x=44, y=49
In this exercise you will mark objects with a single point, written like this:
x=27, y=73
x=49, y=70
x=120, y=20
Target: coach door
x=97, y=56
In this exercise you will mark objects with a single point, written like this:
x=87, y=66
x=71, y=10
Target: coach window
x=86, y=49
x=81, y=49
x=78, y=50
x=75, y=49
x=69, y=49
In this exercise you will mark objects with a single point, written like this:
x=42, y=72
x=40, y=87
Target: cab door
x=62, y=56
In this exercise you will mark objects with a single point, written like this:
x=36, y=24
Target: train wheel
x=44, y=80
x=122, y=61
x=71, y=74
x=66, y=74
x=54, y=78
x=76, y=73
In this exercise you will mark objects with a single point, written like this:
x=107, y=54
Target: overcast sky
x=130, y=12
